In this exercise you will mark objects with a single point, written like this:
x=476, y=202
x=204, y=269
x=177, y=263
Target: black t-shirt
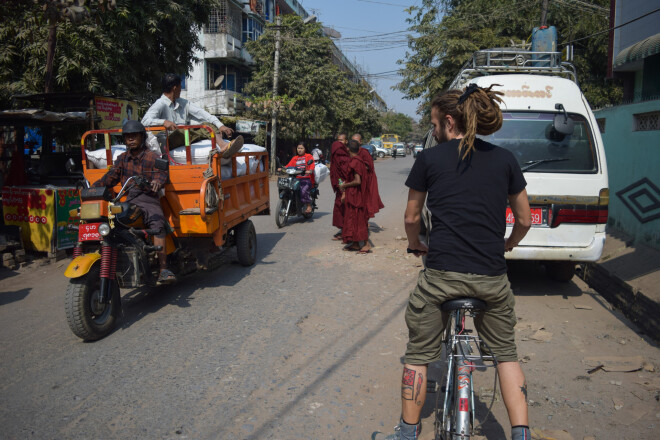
x=467, y=199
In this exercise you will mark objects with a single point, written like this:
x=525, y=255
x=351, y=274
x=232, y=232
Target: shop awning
x=638, y=51
x=41, y=117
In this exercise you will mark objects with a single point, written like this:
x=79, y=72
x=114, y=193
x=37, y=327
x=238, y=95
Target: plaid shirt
x=127, y=166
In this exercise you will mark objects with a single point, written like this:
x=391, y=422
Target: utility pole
x=276, y=68
x=544, y=13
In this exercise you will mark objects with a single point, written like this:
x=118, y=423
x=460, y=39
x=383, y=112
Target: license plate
x=539, y=216
x=283, y=182
x=89, y=232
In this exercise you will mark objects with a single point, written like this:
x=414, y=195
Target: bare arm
x=355, y=182
x=521, y=212
x=411, y=219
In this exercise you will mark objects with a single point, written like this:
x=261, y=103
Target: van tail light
x=571, y=215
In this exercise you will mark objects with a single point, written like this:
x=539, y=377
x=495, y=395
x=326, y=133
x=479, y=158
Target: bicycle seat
x=463, y=303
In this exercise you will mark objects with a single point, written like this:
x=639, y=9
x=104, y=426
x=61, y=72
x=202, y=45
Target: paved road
x=305, y=344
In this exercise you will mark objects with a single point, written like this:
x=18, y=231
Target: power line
x=612, y=28
x=384, y=3
x=586, y=5
x=582, y=6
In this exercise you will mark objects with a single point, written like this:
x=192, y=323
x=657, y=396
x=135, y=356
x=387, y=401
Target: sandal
x=166, y=277
x=234, y=147
x=351, y=248
x=364, y=251
x=337, y=237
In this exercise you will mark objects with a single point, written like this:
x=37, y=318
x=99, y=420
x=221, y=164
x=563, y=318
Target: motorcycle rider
x=138, y=160
x=304, y=160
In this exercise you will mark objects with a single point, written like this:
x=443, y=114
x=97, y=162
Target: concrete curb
x=634, y=304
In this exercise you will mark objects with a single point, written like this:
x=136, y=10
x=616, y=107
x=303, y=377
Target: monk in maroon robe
x=339, y=158
x=373, y=201
x=355, y=215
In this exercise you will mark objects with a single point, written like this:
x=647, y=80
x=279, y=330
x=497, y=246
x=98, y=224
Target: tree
x=451, y=30
x=123, y=51
x=315, y=98
x=396, y=123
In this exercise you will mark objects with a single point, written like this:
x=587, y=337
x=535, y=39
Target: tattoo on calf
x=408, y=384
x=523, y=389
x=420, y=380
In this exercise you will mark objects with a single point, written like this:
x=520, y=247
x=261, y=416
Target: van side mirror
x=562, y=123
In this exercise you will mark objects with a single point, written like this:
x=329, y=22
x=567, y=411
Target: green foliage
x=396, y=123
x=314, y=97
x=449, y=31
x=122, y=52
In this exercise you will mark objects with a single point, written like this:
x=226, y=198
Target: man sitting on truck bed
x=171, y=110
x=138, y=160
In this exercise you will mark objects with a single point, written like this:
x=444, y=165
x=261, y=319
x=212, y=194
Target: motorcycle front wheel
x=87, y=318
x=281, y=214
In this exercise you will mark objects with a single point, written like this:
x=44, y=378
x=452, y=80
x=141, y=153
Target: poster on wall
x=43, y=215
x=115, y=112
x=67, y=199
x=34, y=211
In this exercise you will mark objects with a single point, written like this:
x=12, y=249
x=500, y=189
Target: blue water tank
x=544, y=39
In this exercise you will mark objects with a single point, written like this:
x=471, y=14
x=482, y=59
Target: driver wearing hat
x=138, y=160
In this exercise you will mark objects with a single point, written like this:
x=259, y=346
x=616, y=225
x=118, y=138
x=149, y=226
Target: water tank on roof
x=544, y=39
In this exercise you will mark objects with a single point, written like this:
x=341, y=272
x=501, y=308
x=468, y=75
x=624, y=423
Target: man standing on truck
x=138, y=160
x=466, y=183
x=170, y=110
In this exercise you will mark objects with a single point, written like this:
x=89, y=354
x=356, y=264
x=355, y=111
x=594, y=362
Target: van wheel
x=381, y=154
x=562, y=271
x=246, y=243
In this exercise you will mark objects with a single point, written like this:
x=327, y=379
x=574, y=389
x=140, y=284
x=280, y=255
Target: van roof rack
x=513, y=60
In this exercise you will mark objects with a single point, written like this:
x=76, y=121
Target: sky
x=373, y=36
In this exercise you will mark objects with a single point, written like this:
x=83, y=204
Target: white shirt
x=181, y=112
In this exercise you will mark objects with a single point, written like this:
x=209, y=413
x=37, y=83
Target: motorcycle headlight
x=90, y=211
x=104, y=229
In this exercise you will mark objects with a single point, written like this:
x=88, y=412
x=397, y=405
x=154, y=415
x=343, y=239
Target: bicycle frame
x=458, y=415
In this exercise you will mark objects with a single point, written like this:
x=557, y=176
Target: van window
x=540, y=149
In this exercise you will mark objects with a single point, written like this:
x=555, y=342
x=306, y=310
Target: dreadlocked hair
x=478, y=113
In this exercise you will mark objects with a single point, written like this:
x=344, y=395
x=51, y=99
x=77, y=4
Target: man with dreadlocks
x=466, y=183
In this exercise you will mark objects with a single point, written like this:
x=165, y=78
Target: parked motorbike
x=289, y=204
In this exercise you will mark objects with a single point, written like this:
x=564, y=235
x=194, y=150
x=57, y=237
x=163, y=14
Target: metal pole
x=273, y=125
x=544, y=13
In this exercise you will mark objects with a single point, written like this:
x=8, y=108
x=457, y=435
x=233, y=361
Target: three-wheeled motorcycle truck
x=206, y=215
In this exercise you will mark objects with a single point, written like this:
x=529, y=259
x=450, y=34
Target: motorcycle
x=289, y=191
x=205, y=216
x=113, y=232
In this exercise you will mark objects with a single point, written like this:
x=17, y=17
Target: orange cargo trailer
x=189, y=202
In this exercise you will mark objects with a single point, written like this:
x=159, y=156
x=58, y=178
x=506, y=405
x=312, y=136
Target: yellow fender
x=81, y=265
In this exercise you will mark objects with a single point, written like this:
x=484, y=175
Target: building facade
x=216, y=82
x=631, y=131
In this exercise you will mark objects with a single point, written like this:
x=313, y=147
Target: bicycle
x=457, y=419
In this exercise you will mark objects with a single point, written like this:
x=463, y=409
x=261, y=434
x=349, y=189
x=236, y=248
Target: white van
x=549, y=127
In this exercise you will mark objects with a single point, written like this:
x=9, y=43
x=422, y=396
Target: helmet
x=133, y=127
